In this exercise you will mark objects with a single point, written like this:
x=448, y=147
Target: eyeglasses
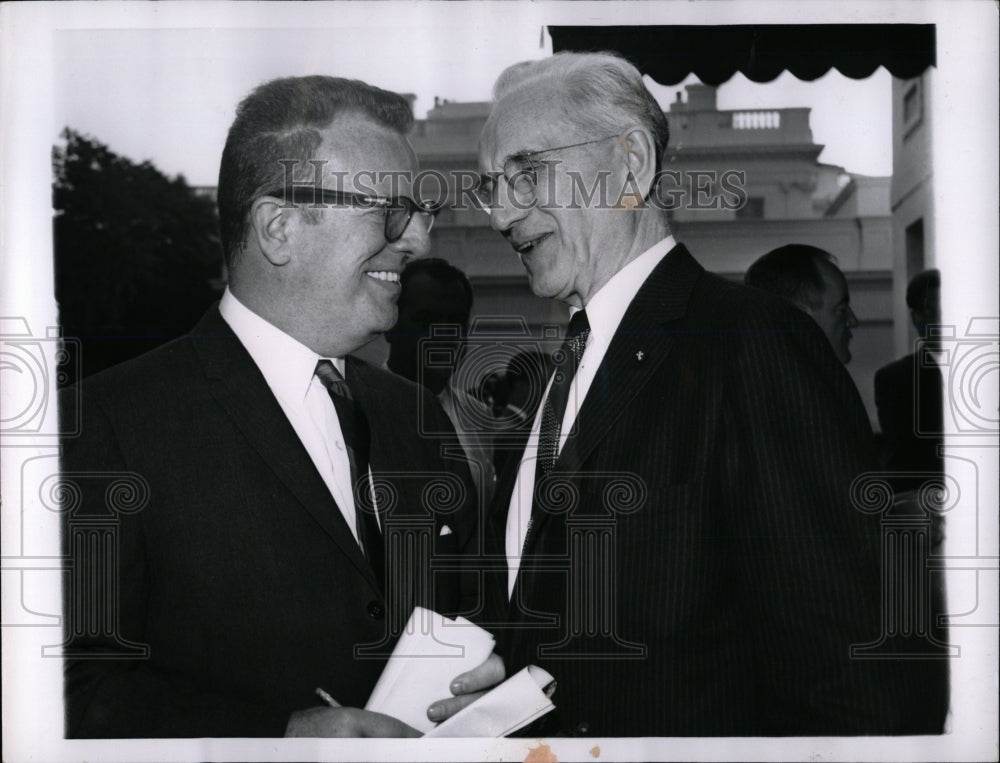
x=521, y=173
x=399, y=210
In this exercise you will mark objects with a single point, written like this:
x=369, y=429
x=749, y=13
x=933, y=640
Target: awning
x=668, y=54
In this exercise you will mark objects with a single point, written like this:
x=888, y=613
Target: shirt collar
x=286, y=364
x=607, y=307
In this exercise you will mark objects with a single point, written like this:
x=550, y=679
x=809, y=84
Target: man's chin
x=387, y=315
x=540, y=288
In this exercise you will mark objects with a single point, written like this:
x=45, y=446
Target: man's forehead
x=835, y=282
x=356, y=144
x=359, y=154
x=526, y=120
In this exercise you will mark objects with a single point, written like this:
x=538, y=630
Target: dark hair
x=920, y=284
x=281, y=120
x=791, y=272
x=440, y=270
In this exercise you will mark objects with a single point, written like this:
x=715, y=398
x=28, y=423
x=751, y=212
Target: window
x=913, y=107
x=914, y=238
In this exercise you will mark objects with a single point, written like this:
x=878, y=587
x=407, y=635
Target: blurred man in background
x=427, y=345
x=524, y=379
x=809, y=278
x=908, y=391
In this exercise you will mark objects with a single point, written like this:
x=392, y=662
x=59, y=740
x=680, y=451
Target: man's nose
x=506, y=209
x=852, y=319
x=415, y=243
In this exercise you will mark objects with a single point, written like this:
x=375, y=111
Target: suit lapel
x=640, y=345
x=240, y=389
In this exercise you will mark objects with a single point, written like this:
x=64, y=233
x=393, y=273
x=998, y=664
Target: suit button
x=582, y=729
x=375, y=610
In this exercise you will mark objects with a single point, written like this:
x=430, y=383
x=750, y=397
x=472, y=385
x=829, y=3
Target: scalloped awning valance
x=668, y=54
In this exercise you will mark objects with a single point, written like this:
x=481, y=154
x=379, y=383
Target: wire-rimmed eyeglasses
x=520, y=171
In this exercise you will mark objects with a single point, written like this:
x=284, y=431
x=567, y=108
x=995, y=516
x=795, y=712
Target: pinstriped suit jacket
x=699, y=569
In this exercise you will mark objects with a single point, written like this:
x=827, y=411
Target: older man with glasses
x=682, y=550
x=258, y=568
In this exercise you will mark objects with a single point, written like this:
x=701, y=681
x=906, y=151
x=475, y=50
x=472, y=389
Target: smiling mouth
x=383, y=275
x=527, y=246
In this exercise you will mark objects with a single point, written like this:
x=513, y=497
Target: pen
x=326, y=698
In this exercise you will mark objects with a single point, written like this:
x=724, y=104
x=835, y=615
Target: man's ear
x=640, y=158
x=269, y=221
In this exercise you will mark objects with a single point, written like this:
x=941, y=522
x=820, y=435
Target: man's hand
x=468, y=687
x=346, y=722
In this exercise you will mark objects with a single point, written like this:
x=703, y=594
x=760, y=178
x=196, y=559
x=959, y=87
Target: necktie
x=554, y=408
x=357, y=438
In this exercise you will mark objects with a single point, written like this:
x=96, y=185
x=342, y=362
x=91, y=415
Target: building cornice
x=809, y=151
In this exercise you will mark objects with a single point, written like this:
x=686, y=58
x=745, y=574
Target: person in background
x=527, y=373
x=908, y=391
x=909, y=396
x=495, y=390
x=809, y=278
x=525, y=377
x=427, y=345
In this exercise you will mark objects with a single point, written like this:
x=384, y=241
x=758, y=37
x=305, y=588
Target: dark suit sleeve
x=810, y=563
x=111, y=690
x=894, y=401
x=883, y=399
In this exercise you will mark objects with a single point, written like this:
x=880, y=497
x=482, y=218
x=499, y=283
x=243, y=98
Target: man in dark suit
x=682, y=552
x=910, y=400
x=251, y=562
x=809, y=278
x=908, y=391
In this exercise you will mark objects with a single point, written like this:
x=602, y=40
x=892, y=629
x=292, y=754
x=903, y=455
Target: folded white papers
x=432, y=651
x=510, y=706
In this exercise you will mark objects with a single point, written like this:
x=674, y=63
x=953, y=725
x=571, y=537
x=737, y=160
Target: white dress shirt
x=605, y=311
x=289, y=368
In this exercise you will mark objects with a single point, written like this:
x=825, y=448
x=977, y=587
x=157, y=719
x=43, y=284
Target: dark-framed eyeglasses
x=521, y=172
x=399, y=210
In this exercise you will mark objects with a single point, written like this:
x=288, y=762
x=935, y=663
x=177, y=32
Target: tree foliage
x=137, y=254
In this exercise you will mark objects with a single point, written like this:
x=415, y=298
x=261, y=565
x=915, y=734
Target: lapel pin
x=640, y=355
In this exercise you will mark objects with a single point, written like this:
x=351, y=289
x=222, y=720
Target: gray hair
x=604, y=92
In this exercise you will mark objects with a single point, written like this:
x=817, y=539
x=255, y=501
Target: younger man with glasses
x=683, y=554
x=255, y=571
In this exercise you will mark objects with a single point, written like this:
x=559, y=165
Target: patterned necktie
x=357, y=438
x=567, y=360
